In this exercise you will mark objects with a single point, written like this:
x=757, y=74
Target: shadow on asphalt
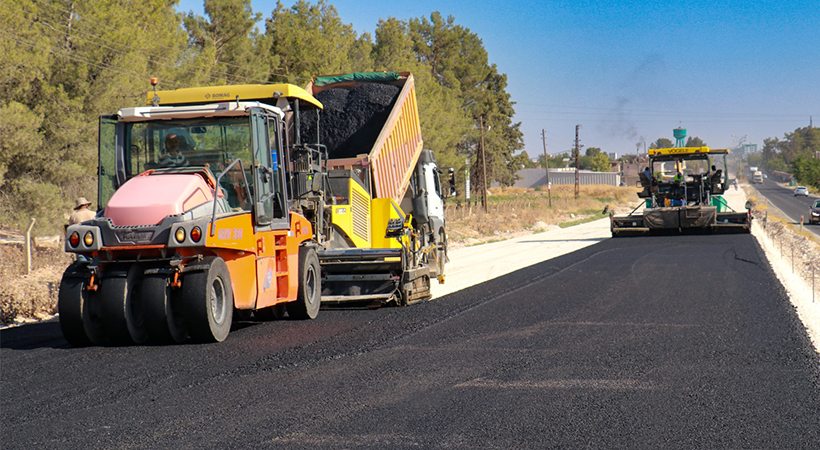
x=48, y=335
x=33, y=336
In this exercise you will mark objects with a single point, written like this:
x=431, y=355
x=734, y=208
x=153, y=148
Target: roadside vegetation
x=796, y=154
x=513, y=211
x=65, y=63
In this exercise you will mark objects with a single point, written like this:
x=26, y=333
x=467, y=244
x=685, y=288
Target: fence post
x=28, y=246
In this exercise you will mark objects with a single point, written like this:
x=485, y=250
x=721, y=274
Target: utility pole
x=577, y=162
x=547, y=165
x=484, y=164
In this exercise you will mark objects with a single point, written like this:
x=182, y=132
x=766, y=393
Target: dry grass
x=515, y=210
x=32, y=296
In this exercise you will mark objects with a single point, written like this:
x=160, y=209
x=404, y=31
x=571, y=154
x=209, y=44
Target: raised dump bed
x=370, y=124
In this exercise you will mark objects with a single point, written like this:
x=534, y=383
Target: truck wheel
x=207, y=298
x=163, y=310
x=123, y=318
x=309, y=297
x=78, y=321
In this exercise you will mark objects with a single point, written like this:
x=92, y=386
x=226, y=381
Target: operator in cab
x=172, y=155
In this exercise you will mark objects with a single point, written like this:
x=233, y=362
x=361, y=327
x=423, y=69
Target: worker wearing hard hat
x=81, y=212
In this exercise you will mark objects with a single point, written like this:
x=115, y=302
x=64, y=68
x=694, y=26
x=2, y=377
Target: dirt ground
x=32, y=296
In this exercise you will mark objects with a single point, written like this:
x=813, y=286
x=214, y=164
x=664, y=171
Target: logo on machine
x=229, y=233
x=134, y=235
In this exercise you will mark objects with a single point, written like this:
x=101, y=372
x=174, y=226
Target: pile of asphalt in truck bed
x=351, y=119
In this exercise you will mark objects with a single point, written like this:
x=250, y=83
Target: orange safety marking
x=91, y=286
x=175, y=282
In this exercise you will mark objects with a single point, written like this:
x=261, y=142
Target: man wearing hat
x=81, y=212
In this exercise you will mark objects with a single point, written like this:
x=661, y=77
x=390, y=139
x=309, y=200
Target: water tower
x=680, y=135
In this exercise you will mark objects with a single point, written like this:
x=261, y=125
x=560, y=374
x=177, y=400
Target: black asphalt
x=680, y=342
x=793, y=206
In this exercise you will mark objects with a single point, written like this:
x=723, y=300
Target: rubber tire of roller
x=309, y=296
x=122, y=314
x=207, y=299
x=79, y=323
x=163, y=317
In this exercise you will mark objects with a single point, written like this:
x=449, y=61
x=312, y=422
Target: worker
x=678, y=177
x=648, y=174
x=172, y=156
x=81, y=212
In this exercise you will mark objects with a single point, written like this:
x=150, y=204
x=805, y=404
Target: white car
x=801, y=190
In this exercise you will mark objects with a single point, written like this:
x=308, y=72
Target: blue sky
x=630, y=71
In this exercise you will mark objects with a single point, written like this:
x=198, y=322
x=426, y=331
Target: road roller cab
x=194, y=223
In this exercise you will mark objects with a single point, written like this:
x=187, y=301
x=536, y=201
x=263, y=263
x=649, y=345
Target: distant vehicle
x=801, y=190
x=757, y=177
x=814, y=212
x=693, y=203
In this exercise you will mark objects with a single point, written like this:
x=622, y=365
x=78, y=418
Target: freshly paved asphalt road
x=658, y=342
x=785, y=200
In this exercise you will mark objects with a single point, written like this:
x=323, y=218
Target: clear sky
x=629, y=71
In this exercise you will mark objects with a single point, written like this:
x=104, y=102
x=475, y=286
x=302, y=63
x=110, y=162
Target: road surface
x=654, y=342
x=784, y=199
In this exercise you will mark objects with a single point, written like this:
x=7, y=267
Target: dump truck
x=193, y=221
x=682, y=191
x=383, y=233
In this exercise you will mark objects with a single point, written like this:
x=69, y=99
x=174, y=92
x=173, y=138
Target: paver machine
x=682, y=191
x=193, y=223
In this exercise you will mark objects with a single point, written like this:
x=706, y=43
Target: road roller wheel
x=123, y=318
x=163, y=310
x=79, y=321
x=309, y=296
x=207, y=299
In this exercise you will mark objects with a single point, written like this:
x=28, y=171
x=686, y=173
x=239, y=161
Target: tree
x=65, y=64
x=592, y=151
x=443, y=122
x=312, y=40
x=594, y=159
x=694, y=141
x=228, y=46
x=662, y=143
x=807, y=171
x=523, y=161
x=458, y=63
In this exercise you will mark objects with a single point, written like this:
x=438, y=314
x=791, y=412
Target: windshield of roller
x=130, y=148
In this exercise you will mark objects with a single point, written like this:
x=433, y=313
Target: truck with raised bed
x=382, y=230
x=682, y=191
x=194, y=221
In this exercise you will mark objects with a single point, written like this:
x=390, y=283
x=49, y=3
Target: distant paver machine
x=683, y=191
